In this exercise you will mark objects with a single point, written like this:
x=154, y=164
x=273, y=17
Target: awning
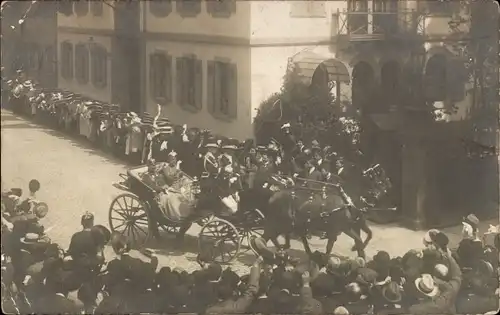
x=306, y=64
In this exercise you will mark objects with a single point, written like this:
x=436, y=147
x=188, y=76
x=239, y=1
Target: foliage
x=313, y=114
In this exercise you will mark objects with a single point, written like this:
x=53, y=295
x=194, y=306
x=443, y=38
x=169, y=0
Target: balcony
x=376, y=26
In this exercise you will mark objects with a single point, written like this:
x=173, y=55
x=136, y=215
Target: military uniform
x=211, y=164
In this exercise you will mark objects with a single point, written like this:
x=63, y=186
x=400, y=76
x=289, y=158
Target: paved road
x=76, y=178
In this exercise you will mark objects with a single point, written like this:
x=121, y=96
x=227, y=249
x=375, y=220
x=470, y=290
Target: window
x=222, y=89
x=358, y=6
x=49, y=63
x=189, y=83
x=160, y=72
x=81, y=7
x=67, y=60
x=307, y=8
x=96, y=7
x=357, y=19
x=99, y=66
x=160, y=8
x=82, y=63
x=188, y=8
x=221, y=8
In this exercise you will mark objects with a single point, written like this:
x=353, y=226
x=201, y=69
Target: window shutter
x=198, y=83
x=232, y=6
x=180, y=81
x=210, y=85
x=168, y=78
x=217, y=87
x=70, y=61
x=233, y=81
x=152, y=75
x=456, y=78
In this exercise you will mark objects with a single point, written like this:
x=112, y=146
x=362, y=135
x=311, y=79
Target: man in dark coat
x=241, y=304
x=438, y=296
x=57, y=301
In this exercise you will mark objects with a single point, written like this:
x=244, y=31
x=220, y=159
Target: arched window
x=82, y=63
x=81, y=7
x=160, y=8
x=99, y=66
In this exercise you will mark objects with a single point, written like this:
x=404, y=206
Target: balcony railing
x=373, y=25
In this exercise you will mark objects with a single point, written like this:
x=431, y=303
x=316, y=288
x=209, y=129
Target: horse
x=297, y=210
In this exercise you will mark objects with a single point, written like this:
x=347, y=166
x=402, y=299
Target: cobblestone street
x=76, y=178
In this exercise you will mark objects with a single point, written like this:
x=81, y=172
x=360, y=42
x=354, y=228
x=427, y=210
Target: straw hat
x=425, y=284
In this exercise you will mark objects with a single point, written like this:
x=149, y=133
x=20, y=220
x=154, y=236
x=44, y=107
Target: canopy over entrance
x=306, y=63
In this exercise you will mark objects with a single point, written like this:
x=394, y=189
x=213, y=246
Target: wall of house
x=99, y=93
x=102, y=22
x=239, y=128
x=235, y=26
x=274, y=22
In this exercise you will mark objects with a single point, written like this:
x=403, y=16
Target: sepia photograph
x=250, y=157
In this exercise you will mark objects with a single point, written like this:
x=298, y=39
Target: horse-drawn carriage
x=139, y=214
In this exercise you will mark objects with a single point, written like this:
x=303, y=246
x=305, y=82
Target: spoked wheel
x=129, y=216
x=170, y=229
x=221, y=238
x=253, y=225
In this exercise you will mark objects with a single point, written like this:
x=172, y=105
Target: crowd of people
x=140, y=137
x=38, y=276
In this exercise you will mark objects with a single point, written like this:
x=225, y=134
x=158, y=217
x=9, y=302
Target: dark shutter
x=152, y=75
x=232, y=6
x=198, y=83
x=168, y=78
x=180, y=81
x=210, y=85
x=233, y=92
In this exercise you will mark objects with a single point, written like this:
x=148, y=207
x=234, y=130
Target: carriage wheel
x=129, y=216
x=223, y=239
x=170, y=229
x=253, y=225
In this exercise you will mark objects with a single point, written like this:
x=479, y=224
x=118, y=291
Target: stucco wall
x=105, y=21
x=239, y=128
x=273, y=20
x=101, y=94
x=237, y=25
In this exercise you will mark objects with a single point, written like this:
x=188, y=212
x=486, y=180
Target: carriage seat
x=137, y=172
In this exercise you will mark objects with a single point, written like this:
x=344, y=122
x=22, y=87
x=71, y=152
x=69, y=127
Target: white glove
x=232, y=180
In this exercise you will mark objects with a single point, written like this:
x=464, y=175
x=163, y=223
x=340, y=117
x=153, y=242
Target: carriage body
x=137, y=214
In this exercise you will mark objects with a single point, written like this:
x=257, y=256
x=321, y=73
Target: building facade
x=84, y=43
x=210, y=64
x=29, y=40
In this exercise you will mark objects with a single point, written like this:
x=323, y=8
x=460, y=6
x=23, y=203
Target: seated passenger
x=153, y=178
x=171, y=170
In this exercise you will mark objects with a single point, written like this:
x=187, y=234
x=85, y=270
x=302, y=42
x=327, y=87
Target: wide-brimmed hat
x=30, y=238
x=472, y=220
x=382, y=258
x=333, y=264
x=41, y=209
x=428, y=236
x=425, y=285
x=391, y=292
x=230, y=144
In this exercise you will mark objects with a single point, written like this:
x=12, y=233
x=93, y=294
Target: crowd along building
x=211, y=63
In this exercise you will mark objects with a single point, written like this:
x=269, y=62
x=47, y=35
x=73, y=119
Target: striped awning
x=306, y=64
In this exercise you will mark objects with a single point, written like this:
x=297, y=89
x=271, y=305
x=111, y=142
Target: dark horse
x=303, y=211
